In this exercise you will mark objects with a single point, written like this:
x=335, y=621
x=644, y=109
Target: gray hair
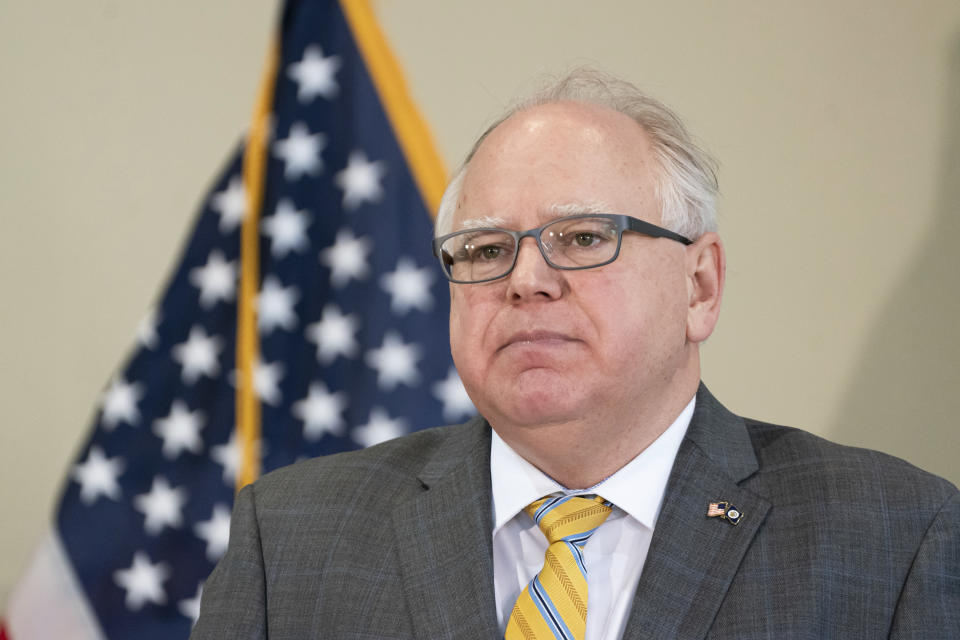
x=686, y=182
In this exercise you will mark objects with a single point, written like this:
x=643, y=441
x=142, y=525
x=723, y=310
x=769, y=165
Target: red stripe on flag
x=3, y=632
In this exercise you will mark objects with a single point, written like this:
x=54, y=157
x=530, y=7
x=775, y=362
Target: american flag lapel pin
x=724, y=510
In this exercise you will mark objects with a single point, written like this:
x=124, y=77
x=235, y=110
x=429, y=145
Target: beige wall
x=836, y=124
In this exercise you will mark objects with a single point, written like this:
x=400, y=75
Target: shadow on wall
x=905, y=395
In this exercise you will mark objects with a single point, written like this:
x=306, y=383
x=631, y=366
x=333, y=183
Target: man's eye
x=489, y=252
x=585, y=239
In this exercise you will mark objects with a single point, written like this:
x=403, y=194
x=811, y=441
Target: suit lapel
x=443, y=540
x=693, y=558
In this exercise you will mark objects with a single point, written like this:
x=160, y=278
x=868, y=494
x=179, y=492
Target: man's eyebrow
x=480, y=223
x=553, y=211
x=574, y=208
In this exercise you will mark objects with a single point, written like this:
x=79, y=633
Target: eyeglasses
x=573, y=242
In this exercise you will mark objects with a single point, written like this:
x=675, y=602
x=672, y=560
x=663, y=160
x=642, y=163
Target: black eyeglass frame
x=623, y=222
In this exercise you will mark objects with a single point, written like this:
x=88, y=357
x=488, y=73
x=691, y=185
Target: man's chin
x=530, y=397
x=542, y=407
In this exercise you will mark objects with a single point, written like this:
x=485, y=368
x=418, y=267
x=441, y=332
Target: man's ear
x=706, y=265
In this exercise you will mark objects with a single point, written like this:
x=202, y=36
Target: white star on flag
x=287, y=229
x=408, y=286
x=215, y=531
x=266, y=381
x=120, y=403
x=198, y=355
x=314, y=75
x=380, y=428
x=231, y=204
x=147, y=330
x=227, y=455
x=334, y=335
x=456, y=402
x=180, y=430
x=216, y=280
x=360, y=180
x=321, y=411
x=162, y=506
x=143, y=581
x=191, y=606
x=275, y=306
x=347, y=258
x=395, y=362
x=300, y=152
x=97, y=476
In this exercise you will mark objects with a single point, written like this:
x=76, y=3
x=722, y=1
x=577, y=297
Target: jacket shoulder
x=383, y=470
x=794, y=461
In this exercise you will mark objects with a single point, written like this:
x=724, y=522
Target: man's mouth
x=537, y=337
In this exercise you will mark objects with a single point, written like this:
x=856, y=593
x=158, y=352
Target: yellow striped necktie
x=554, y=604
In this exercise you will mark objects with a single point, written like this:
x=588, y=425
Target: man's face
x=545, y=346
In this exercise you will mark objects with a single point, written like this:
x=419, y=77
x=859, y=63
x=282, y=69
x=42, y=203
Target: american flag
x=353, y=350
x=716, y=509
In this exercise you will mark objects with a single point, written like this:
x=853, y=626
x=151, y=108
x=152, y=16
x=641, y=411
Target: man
x=585, y=270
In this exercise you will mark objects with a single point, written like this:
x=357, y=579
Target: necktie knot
x=570, y=519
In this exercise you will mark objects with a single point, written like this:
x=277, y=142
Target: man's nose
x=532, y=276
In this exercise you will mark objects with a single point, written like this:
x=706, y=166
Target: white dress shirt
x=614, y=555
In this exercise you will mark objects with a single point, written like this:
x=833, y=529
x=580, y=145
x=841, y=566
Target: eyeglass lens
x=485, y=254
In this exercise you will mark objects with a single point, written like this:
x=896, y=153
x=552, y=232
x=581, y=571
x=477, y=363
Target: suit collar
x=443, y=539
x=464, y=450
x=722, y=437
x=693, y=558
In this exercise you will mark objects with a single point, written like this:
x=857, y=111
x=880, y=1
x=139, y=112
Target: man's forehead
x=544, y=215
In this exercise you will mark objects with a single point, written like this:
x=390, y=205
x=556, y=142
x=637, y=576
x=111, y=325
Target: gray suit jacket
x=394, y=542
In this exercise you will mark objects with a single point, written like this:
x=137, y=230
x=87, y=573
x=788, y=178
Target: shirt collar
x=515, y=482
